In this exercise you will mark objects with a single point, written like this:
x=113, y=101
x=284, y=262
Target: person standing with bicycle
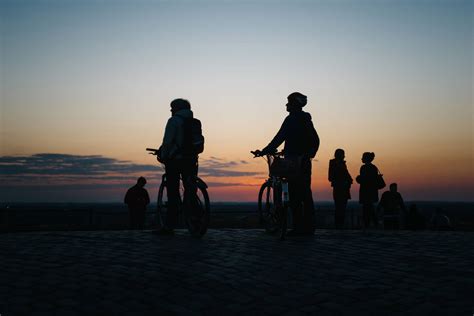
x=301, y=144
x=182, y=143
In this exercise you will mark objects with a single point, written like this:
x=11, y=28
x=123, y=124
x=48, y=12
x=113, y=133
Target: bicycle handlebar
x=153, y=151
x=258, y=153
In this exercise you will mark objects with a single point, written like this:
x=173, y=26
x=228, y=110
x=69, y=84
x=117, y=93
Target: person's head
x=393, y=187
x=339, y=154
x=141, y=182
x=296, y=101
x=368, y=157
x=179, y=104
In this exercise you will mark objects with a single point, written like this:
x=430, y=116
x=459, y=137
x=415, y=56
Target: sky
x=85, y=87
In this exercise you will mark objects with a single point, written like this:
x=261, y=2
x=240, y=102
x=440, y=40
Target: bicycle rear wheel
x=197, y=210
x=161, y=206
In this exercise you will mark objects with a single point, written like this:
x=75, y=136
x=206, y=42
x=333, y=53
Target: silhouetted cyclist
x=137, y=200
x=182, y=143
x=301, y=144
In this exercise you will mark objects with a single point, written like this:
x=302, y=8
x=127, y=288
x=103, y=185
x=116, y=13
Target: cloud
x=84, y=178
x=63, y=164
x=218, y=167
x=50, y=168
x=230, y=184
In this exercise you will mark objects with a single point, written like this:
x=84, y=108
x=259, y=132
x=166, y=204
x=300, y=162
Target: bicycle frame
x=281, y=197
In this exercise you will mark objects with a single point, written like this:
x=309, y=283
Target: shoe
x=163, y=232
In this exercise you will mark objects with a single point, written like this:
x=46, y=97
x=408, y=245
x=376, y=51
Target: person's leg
x=141, y=219
x=295, y=189
x=189, y=170
x=308, y=205
x=340, y=205
x=373, y=216
x=172, y=181
x=366, y=214
x=130, y=218
x=307, y=198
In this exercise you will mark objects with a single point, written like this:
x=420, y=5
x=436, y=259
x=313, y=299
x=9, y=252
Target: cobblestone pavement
x=236, y=272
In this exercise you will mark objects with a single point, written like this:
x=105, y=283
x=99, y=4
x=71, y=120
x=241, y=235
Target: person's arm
x=314, y=138
x=361, y=178
x=169, y=139
x=147, y=197
x=126, y=200
x=382, y=202
x=348, y=175
x=402, y=203
x=331, y=171
x=278, y=139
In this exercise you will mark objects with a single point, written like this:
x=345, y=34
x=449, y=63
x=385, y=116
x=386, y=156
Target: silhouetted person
x=301, y=144
x=393, y=208
x=341, y=182
x=415, y=220
x=368, y=192
x=137, y=199
x=440, y=221
x=179, y=152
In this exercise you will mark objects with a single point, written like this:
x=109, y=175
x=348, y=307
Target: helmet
x=297, y=99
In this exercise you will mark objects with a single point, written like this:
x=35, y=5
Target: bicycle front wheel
x=269, y=208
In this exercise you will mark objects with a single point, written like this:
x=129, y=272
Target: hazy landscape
x=78, y=216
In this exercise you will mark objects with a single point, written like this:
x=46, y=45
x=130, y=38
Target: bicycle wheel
x=161, y=206
x=269, y=202
x=197, y=210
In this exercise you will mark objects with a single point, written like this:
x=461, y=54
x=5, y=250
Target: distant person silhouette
x=393, y=208
x=301, y=143
x=415, y=220
x=368, y=192
x=182, y=143
x=137, y=200
x=341, y=182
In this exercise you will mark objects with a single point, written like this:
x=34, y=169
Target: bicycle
x=273, y=196
x=193, y=211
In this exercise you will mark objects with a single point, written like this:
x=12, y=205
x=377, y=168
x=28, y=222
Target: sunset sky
x=86, y=86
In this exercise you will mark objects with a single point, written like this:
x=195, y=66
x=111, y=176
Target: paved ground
x=235, y=272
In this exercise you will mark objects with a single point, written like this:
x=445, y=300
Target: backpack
x=312, y=138
x=193, y=142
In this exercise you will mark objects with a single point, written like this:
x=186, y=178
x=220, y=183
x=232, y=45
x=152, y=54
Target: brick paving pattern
x=234, y=271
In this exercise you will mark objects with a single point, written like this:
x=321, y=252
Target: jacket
x=340, y=179
x=299, y=135
x=368, y=192
x=174, y=135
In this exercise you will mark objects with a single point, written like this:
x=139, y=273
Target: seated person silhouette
x=393, y=208
x=440, y=221
x=415, y=220
x=137, y=200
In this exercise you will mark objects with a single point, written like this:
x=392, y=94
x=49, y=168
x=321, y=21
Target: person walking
x=341, y=182
x=301, y=145
x=368, y=192
x=137, y=200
